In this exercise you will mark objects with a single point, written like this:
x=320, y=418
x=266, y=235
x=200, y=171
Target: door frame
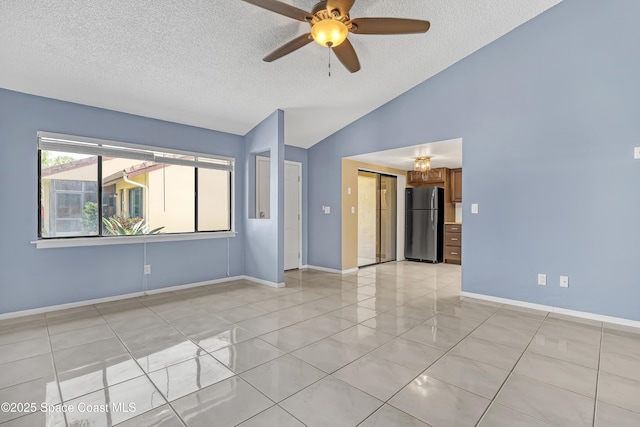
x=380, y=174
x=299, y=166
x=400, y=209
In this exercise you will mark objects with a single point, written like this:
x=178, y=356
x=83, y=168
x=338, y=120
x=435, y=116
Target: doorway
x=292, y=215
x=292, y=206
x=377, y=218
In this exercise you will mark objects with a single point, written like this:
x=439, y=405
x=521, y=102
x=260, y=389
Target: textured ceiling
x=199, y=62
x=444, y=154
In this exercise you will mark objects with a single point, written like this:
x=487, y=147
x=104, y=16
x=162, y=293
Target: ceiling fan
x=330, y=25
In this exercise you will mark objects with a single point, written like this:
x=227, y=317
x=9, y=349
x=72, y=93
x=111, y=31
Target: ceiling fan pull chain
x=329, y=61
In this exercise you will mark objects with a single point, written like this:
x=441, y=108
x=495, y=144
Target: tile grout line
x=511, y=373
x=286, y=352
x=386, y=402
x=395, y=337
x=170, y=403
x=144, y=373
x=235, y=374
x=331, y=373
x=55, y=370
x=595, y=400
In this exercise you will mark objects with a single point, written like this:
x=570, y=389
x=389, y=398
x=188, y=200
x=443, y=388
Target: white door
x=292, y=215
x=263, y=182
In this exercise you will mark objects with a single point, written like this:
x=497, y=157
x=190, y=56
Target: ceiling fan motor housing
x=324, y=33
x=320, y=13
x=322, y=6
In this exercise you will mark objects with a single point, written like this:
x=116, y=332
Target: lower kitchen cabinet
x=453, y=243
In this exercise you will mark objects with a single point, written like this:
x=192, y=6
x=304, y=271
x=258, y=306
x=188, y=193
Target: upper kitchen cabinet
x=456, y=185
x=431, y=177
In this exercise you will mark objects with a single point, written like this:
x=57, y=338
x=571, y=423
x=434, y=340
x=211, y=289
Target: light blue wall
x=264, y=238
x=30, y=277
x=549, y=115
x=325, y=174
x=301, y=155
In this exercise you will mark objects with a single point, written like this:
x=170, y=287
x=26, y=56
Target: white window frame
x=78, y=144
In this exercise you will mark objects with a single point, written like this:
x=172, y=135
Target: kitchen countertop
x=456, y=223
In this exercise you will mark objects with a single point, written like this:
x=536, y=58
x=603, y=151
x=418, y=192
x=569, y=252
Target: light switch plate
x=542, y=279
x=326, y=209
x=353, y=209
x=564, y=281
x=474, y=208
x=636, y=153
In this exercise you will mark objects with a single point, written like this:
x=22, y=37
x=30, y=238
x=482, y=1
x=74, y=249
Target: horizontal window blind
x=94, y=147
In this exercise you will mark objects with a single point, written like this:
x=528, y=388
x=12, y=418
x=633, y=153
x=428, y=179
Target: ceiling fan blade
x=389, y=26
x=344, y=6
x=286, y=49
x=347, y=55
x=282, y=9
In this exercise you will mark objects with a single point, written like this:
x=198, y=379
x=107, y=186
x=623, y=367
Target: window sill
x=127, y=240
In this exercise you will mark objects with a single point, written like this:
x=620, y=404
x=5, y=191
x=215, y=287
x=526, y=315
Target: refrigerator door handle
x=433, y=196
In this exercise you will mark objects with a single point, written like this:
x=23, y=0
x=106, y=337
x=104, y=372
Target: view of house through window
x=68, y=194
x=128, y=191
x=135, y=203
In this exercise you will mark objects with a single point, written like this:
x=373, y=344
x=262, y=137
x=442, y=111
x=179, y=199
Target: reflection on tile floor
x=390, y=345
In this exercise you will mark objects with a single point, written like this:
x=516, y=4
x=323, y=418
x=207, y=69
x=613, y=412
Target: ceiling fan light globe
x=329, y=33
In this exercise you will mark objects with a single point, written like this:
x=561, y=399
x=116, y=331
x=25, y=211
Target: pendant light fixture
x=422, y=164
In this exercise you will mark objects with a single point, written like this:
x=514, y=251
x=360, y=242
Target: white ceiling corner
x=200, y=62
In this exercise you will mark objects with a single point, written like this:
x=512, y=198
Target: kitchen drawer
x=453, y=228
x=453, y=254
x=453, y=239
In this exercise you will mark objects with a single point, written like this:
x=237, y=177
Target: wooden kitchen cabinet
x=456, y=185
x=453, y=243
x=432, y=176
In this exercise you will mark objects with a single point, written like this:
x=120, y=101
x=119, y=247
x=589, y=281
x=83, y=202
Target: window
x=100, y=188
x=135, y=203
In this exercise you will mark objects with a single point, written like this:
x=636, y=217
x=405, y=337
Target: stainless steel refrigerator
x=424, y=224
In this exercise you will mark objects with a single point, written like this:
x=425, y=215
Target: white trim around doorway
x=299, y=165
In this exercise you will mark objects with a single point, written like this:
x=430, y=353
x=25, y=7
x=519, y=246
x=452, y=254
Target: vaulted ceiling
x=199, y=62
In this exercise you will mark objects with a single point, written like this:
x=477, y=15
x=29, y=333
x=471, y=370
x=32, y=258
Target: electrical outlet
x=564, y=281
x=474, y=208
x=147, y=269
x=636, y=153
x=542, y=279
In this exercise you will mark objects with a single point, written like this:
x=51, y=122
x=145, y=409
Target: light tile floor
x=391, y=345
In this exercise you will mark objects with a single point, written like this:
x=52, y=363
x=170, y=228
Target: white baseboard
x=552, y=309
x=264, y=282
x=47, y=309
x=330, y=270
x=325, y=269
